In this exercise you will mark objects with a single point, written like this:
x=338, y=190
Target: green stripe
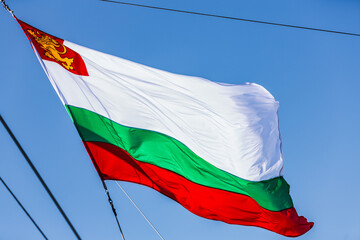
x=168, y=153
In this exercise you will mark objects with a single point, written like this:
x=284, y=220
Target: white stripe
x=233, y=127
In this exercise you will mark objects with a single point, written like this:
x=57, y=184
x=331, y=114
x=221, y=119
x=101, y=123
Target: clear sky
x=314, y=75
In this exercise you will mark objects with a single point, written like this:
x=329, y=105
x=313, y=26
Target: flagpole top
x=7, y=7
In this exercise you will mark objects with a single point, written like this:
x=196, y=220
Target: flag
x=214, y=148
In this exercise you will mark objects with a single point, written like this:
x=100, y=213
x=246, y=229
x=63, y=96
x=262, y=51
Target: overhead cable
x=234, y=18
x=23, y=208
x=39, y=177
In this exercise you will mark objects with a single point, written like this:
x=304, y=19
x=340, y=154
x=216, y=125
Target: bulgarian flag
x=214, y=148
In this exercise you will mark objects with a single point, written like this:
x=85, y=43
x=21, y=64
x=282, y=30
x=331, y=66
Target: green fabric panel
x=168, y=153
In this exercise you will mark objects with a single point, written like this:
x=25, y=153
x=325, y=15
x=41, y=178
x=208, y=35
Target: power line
x=39, y=177
x=23, y=208
x=233, y=18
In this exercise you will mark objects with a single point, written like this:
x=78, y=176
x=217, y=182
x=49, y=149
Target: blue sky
x=314, y=75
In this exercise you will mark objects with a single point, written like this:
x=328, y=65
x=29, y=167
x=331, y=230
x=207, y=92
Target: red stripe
x=116, y=164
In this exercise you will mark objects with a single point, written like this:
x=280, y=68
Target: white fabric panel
x=233, y=127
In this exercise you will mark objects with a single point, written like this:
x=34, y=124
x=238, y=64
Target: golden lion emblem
x=49, y=45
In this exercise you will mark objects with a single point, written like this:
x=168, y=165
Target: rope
x=39, y=177
x=7, y=7
x=113, y=209
x=140, y=211
x=233, y=18
x=101, y=178
x=23, y=208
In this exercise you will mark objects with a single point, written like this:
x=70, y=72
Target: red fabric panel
x=51, y=48
x=114, y=163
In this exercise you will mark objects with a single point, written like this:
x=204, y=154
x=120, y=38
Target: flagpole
x=39, y=177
